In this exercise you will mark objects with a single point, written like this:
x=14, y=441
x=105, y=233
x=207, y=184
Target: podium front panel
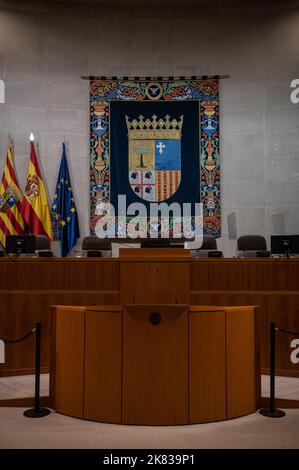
x=155, y=364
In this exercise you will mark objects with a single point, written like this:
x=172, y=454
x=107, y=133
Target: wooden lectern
x=154, y=359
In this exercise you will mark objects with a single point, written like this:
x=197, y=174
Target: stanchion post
x=37, y=366
x=37, y=412
x=272, y=367
x=271, y=412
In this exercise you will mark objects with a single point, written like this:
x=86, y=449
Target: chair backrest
x=209, y=243
x=251, y=242
x=95, y=243
x=42, y=243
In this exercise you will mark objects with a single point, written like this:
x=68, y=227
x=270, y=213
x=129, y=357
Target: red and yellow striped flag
x=35, y=208
x=11, y=219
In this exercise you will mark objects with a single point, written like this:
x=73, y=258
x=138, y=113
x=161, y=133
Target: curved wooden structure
x=29, y=286
x=155, y=364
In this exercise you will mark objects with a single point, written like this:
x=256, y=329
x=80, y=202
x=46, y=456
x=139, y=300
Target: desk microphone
x=142, y=284
x=167, y=284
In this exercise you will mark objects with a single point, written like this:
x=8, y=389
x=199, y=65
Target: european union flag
x=64, y=213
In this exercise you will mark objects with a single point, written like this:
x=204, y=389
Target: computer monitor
x=284, y=244
x=20, y=244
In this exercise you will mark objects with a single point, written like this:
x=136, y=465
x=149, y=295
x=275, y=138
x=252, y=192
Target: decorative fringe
x=155, y=79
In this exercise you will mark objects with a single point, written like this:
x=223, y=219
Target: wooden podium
x=154, y=359
x=154, y=364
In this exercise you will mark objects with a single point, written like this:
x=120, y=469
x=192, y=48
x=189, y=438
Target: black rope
x=287, y=332
x=10, y=341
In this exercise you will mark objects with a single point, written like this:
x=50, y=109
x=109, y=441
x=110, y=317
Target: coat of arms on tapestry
x=155, y=141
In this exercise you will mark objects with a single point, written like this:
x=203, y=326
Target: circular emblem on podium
x=154, y=90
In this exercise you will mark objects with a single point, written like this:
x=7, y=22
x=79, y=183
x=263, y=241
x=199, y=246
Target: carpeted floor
x=22, y=386
x=57, y=431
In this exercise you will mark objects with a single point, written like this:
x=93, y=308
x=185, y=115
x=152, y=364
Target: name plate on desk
x=154, y=253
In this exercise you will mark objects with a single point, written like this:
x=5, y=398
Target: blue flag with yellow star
x=64, y=213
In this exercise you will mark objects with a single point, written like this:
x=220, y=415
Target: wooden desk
x=273, y=284
x=155, y=364
x=30, y=285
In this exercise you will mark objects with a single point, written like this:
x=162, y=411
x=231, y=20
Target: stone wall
x=45, y=50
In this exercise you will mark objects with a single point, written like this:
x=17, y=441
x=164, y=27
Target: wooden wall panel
x=103, y=366
x=240, y=362
x=59, y=274
x=207, y=366
x=19, y=312
x=69, y=361
x=279, y=307
x=154, y=282
x=245, y=274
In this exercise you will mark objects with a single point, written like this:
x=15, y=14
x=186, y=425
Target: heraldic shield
x=154, y=156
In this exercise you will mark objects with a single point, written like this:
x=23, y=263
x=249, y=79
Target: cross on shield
x=154, y=156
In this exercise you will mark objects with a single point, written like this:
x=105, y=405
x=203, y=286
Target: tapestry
x=155, y=141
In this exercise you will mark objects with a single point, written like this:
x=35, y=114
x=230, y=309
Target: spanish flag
x=11, y=219
x=35, y=208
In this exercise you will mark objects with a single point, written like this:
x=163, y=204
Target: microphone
x=167, y=284
x=142, y=284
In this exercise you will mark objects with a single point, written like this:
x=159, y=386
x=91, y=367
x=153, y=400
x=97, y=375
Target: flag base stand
x=272, y=414
x=33, y=413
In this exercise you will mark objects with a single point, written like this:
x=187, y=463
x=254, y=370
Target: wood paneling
x=275, y=306
x=59, y=274
x=240, y=361
x=245, y=274
x=19, y=312
x=154, y=282
x=30, y=285
x=69, y=361
x=155, y=365
x=207, y=371
x=27, y=402
x=155, y=253
x=102, y=387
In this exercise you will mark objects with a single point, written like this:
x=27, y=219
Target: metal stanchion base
x=33, y=413
x=272, y=414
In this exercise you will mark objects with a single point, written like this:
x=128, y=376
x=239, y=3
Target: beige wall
x=43, y=53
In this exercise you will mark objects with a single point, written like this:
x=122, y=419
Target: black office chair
x=208, y=248
x=252, y=246
x=43, y=246
x=208, y=243
x=95, y=246
x=42, y=243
